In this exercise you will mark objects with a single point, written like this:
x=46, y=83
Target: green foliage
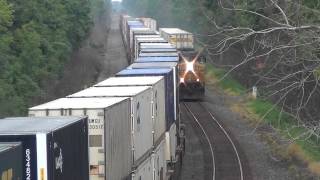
x=228, y=83
x=36, y=39
x=287, y=125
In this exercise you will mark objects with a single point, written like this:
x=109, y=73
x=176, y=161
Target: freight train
x=125, y=127
x=142, y=41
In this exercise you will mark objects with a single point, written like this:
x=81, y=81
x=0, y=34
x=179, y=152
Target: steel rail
x=207, y=137
x=230, y=140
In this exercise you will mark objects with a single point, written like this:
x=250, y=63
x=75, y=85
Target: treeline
x=36, y=39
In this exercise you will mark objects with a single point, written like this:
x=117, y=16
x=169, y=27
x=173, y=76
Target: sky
x=116, y=0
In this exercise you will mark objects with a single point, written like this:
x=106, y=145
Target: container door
x=96, y=142
x=118, y=141
x=142, y=124
x=69, y=150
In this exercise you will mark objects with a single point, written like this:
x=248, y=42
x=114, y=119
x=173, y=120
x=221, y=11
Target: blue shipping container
x=157, y=59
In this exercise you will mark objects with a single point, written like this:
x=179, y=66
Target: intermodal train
x=143, y=41
x=125, y=127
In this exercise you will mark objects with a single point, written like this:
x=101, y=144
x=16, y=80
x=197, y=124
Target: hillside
x=37, y=39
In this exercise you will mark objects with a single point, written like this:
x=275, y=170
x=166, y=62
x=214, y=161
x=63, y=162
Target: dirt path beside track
x=101, y=55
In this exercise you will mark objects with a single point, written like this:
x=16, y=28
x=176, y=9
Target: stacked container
x=141, y=115
x=171, y=134
x=52, y=148
x=154, y=167
x=109, y=124
x=146, y=39
x=156, y=45
x=179, y=38
x=171, y=97
x=156, y=59
x=150, y=23
x=158, y=99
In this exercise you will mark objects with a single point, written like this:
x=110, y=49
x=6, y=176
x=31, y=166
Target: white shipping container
x=136, y=29
x=154, y=167
x=179, y=38
x=158, y=98
x=133, y=49
x=173, y=141
x=109, y=123
x=140, y=40
x=160, y=163
x=156, y=45
x=141, y=120
x=124, y=23
x=144, y=171
x=150, y=23
x=157, y=65
x=140, y=33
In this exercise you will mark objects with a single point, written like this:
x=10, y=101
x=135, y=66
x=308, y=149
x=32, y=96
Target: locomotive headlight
x=189, y=66
x=182, y=80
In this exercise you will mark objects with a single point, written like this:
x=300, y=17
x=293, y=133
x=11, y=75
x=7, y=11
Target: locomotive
x=191, y=63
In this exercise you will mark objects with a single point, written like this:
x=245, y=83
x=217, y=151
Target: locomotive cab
x=191, y=75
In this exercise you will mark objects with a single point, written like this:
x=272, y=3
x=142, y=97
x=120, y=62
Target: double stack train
x=132, y=119
x=144, y=43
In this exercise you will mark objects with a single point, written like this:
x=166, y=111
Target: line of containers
x=131, y=126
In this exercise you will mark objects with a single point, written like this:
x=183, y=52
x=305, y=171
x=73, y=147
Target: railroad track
x=225, y=159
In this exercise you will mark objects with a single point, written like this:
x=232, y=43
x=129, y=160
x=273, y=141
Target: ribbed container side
x=144, y=170
x=146, y=39
x=173, y=141
x=163, y=65
x=179, y=38
x=159, y=161
x=141, y=121
x=158, y=98
x=150, y=23
x=52, y=148
x=96, y=109
x=170, y=88
x=118, y=141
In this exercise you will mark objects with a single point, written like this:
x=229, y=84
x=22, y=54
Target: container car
x=179, y=38
x=157, y=59
x=141, y=115
x=158, y=99
x=150, y=23
x=171, y=134
x=53, y=148
x=153, y=168
x=154, y=65
x=134, y=32
x=109, y=123
x=145, y=39
x=160, y=162
x=159, y=50
x=157, y=82
x=159, y=54
x=170, y=85
x=11, y=160
x=156, y=45
x=139, y=32
x=140, y=36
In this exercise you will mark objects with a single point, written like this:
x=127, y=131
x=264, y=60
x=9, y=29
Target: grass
x=306, y=147
x=288, y=127
x=228, y=84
